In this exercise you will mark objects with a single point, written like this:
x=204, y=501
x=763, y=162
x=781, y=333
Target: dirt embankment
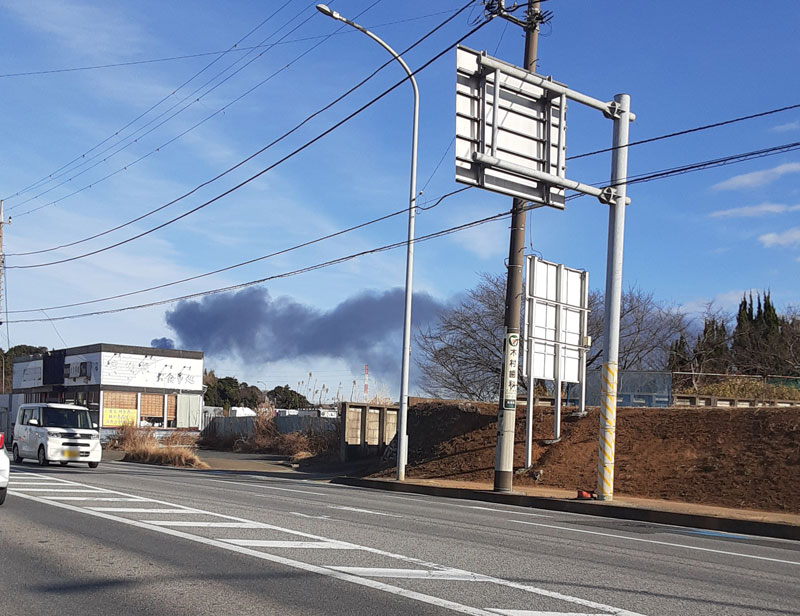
x=748, y=458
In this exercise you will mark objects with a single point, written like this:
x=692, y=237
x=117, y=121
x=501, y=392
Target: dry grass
x=744, y=387
x=141, y=445
x=297, y=445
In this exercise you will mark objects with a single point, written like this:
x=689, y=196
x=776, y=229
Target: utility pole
x=507, y=411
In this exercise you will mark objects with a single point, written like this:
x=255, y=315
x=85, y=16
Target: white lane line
x=656, y=542
x=413, y=574
x=395, y=590
x=187, y=523
x=438, y=501
x=537, y=613
x=359, y=510
x=315, y=517
x=301, y=545
x=142, y=510
x=253, y=485
x=536, y=515
x=409, y=559
x=95, y=498
x=26, y=482
x=59, y=490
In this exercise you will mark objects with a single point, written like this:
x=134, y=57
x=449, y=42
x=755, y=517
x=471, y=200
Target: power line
x=283, y=251
x=435, y=202
x=137, y=118
x=164, y=145
x=280, y=161
x=137, y=135
x=288, y=274
x=642, y=178
x=214, y=53
x=688, y=131
x=634, y=180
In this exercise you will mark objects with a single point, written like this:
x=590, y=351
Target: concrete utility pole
x=507, y=411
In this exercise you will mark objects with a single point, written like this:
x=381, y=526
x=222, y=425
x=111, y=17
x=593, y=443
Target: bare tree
x=462, y=355
x=647, y=329
x=790, y=335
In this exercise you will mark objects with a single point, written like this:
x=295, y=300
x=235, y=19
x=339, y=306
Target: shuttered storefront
x=172, y=410
x=153, y=409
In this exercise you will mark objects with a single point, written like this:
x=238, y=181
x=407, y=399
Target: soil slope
x=747, y=458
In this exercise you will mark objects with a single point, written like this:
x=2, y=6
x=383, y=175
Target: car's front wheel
x=3, y=495
x=43, y=461
x=93, y=464
x=16, y=456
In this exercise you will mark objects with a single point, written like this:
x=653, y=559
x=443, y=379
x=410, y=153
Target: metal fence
x=634, y=388
x=711, y=389
x=242, y=427
x=662, y=389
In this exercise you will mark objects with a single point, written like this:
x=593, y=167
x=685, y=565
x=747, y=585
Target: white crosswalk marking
x=186, y=523
x=143, y=510
x=413, y=574
x=362, y=576
x=296, y=545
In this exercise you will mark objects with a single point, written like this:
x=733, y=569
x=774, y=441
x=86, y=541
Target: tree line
x=461, y=355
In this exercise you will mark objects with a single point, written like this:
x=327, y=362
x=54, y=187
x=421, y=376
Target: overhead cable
x=434, y=202
x=148, y=110
x=302, y=270
x=137, y=135
x=270, y=167
x=235, y=48
x=124, y=168
x=688, y=131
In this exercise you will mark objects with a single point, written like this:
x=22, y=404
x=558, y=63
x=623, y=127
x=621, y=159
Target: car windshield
x=66, y=418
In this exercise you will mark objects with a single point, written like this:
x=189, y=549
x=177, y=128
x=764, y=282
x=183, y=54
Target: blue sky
x=691, y=239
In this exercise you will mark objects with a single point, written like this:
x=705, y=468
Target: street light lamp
x=402, y=437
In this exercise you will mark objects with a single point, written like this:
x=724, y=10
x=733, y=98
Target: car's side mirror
x=94, y=425
x=33, y=422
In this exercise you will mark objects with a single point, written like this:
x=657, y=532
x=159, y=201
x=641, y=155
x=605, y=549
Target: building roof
x=114, y=348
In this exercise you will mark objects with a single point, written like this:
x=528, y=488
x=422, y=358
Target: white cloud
x=754, y=211
x=790, y=237
x=727, y=301
x=485, y=241
x=785, y=128
x=81, y=28
x=757, y=178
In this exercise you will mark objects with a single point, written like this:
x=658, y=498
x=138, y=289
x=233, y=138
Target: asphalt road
x=131, y=539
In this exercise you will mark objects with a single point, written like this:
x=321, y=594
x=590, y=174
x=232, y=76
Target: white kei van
x=51, y=432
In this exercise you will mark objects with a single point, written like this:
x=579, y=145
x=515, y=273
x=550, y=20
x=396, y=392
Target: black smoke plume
x=255, y=327
x=162, y=343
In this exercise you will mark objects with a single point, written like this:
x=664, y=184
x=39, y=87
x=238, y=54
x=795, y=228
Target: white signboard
x=555, y=319
x=511, y=371
x=27, y=374
x=151, y=371
x=517, y=124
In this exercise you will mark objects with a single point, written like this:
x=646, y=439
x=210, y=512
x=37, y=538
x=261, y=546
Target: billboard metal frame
x=565, y=339
x=479, y=158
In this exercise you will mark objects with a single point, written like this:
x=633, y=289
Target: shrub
x=298, y=445
x=141, y=445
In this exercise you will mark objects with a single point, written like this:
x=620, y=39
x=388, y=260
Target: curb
x=774, y=530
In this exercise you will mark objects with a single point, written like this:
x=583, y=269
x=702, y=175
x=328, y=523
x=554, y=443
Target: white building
x=118, y=384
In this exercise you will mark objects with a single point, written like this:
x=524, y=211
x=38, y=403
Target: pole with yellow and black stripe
x=620, y=111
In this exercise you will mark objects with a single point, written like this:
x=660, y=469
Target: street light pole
x=402, y=437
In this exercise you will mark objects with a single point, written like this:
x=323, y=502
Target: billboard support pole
x=507, y=411
x=613, y=297
x=527, y=357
